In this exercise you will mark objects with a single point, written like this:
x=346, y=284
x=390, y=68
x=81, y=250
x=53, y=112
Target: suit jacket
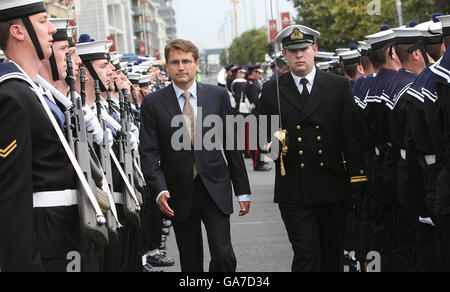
x=165, y=168
x=322, y=134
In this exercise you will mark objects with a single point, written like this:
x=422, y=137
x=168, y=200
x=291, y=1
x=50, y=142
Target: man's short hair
x=378, y=57
x=447, y=41
x=184, y=45
x=4, y=32
x=434, y=51
x=351, y=70
x=366, y=63
x=402, y=52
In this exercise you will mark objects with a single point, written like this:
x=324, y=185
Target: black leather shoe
x=263, y=168
x=149, y=269
x=159, y=261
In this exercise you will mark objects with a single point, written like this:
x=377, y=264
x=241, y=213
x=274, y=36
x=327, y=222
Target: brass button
x=317, y=127
x=320, y=152
x=302, y=165
x=322, y=164
x=299, y=127
x=301, y=152
x=319, y=138
x=300, y=140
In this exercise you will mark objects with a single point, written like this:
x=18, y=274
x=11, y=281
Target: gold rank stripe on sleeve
x=8, y=150
x=357, y=179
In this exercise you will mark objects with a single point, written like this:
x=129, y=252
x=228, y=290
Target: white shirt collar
x=192, y=90
x=310, y=77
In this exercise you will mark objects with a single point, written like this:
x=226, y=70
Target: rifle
x=92, y=223
x=132, y=205
x=139, y=180
x=104, y=150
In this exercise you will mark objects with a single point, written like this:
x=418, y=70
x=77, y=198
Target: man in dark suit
x=323, y=154
x=191, y=186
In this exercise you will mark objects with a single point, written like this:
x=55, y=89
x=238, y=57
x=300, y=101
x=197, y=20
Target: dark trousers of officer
x=189, y=237
x=317, y=237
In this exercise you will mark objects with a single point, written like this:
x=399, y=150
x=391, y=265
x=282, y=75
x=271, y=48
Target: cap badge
x=296, y=35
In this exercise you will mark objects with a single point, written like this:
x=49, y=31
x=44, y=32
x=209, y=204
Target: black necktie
x=305, y=93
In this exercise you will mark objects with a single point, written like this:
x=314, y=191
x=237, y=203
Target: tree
x=249, y=48
x=342, y=22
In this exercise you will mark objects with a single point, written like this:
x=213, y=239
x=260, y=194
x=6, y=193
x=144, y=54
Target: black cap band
x=54, y=67
x=446, y=31
x=60, y=35
x=22, y=11
x=356, y=60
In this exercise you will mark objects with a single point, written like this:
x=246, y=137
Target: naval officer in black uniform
x=324, y=157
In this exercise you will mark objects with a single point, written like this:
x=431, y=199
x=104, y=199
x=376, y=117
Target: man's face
x=104, y=72
x=60, y=50
x=301, y=61
x=44, y=32
x=145, y=90
x=76, y=61
x=116, y=78
x=182, y=67
x=137, y=89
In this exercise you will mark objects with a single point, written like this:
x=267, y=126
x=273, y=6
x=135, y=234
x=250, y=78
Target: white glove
x=427, y=221
x=134, y=133
x=110, y=137
x=92, y=125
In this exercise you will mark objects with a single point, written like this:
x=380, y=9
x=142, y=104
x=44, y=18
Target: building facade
x=107, y=19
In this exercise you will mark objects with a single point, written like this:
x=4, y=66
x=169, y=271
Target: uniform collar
x=310, y=77
x=192, y=90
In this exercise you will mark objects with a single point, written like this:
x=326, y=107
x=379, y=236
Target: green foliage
x=249, y=48
x=344, y=21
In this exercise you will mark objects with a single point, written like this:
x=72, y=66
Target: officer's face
x=60, y=49
x=44, y=32
x=104, y=72
x=182, y=68
x=301, y=61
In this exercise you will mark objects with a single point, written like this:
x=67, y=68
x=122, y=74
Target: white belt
x=403, y=154
x=430, y=159
x=118, y=198
x=377, y=151
x=389, y=144
x=55, y=199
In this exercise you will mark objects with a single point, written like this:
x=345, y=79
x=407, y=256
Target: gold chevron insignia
x=8, y=150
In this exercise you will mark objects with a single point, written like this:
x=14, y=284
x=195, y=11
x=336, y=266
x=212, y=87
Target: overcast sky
x=208, y=23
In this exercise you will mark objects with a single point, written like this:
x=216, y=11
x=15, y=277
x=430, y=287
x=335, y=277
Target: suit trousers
x=317, y=236
x=189, y=237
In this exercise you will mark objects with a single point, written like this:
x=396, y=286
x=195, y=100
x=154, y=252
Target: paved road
x=259, y=239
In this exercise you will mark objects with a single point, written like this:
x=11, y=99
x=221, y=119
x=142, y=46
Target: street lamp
x=235, y=2
x=399, y=12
